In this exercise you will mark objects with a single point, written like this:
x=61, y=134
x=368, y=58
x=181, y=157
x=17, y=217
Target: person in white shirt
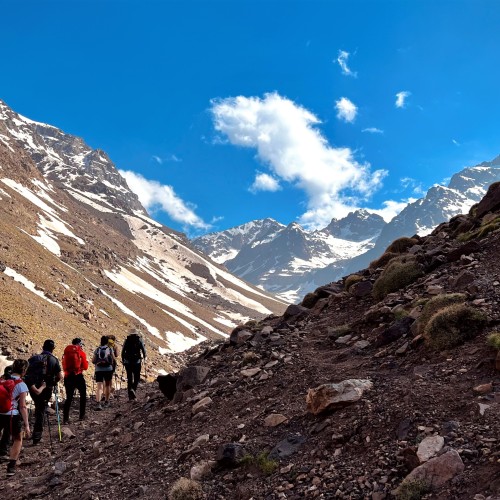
x=13, y=419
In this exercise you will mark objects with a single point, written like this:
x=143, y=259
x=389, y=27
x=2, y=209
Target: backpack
x=132, y=348
x=103, y=355
x=36, y=373
x=6, y=390
x=72, y=360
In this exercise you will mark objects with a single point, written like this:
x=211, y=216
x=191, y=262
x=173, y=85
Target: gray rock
x=287, y=447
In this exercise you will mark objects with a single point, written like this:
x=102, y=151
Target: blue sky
x=223, y=112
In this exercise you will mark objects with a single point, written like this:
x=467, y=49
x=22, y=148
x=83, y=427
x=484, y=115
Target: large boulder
x=191, y=376
x=239, y=336
x=437, y=471
x=168, y=385
x=230, y=454
x=331, y=396
x=490, y=201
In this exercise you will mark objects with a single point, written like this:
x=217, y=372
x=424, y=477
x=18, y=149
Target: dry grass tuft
x=186, y=489
x=400, y=272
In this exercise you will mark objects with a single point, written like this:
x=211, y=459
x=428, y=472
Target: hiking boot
x=106, y=404
x=98, y=407
x=36, y=441
x=11, y=468
x=131, y=394
x=4, y=458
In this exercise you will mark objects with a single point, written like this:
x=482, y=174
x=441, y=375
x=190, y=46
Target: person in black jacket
x=42, y=368
x=133, y=353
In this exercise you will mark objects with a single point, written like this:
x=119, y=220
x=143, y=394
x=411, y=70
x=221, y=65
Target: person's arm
x=85, y=363
x=143, y=348
x=24, y=413
x=59, y=373
x=94, y=357
x=38, y=390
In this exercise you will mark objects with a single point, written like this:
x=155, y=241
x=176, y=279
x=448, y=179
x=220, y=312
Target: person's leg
x=5, y=430
x=98, y=392
x=41, y=401
x=107, y=386
x=69, y=385
x=17, y=444
x=137, y=375
x=82, y=389
x=130, y=385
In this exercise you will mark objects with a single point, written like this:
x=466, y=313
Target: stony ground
x=251, y=393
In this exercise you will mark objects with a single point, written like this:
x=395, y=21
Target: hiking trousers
x=41, y=402
x=72, y=382
x=133, y=376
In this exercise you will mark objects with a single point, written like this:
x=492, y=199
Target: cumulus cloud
x=264, y=182
x=286, y=139
x=391, y=208
x=342, y=60
x=373, y=130
x=401, y=98
x=346, y=109
x=155, y=196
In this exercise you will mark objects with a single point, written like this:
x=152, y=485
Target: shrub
x=384, y=259
x=400, y=272
x=350, y=280
x=309, y=300
x=338, y=331
x=413, y=490
x=493, y=340
x=432, y=306
x=262, y=462
x=186, y=489
x=401, y=245
x=453, y=325
x=485, y=230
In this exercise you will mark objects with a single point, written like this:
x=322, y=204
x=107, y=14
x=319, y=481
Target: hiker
x=42, y=368
x=114, y=346
x=103, y=360
x=74, y=363
x=13, y=412
x=7, y=372
x=131, y=358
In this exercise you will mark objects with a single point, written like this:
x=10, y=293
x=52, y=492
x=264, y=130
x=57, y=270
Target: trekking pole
x=50, y=433
x=93, y=386
x=57, y=414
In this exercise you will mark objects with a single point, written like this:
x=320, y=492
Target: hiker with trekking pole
x=103, y=360
x=42, y=368
x=13, y=413
x=133, y=352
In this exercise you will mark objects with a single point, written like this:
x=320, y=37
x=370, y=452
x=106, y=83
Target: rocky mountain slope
x=345, y=245
x=79, y=255
x=381, y=385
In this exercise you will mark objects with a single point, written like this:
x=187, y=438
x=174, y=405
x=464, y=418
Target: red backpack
x=6, y=390
x=72, y=361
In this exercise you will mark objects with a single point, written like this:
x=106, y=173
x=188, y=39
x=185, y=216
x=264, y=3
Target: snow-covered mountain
x=80, y=256
x=292, y=261
x=288, y=260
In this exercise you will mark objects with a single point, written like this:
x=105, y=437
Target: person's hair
x=19, y=366
x=104, y=340
x=76, y=341
x=49, y=345
x=7, y=372
x=112, y=337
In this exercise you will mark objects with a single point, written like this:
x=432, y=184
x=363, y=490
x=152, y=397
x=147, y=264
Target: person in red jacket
x=74, y=364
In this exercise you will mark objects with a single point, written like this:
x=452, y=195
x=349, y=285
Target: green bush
x=493, y=340
x=384, y=259
x=412, y=490
x=262, y=462
x=400, y=272
x=401, y=245
x=186, y=489
x=432, y=306
x=453, y=325
x=350, y=280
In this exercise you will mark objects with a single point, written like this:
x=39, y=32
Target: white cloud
x=156, y=196
x=413, y=184
x=288, y=142
x=401, y=98
x=455, y=142
x=161, y=161
x=264, y=182
x=342, y=60
x=373, y=130
x=157, y=159
x=391, y=208
x=346, y=109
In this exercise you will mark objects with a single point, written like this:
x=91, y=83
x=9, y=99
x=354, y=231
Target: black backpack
x=37, y=372
x=132, y=348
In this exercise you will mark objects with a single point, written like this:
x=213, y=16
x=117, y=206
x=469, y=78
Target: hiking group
x=39, y=376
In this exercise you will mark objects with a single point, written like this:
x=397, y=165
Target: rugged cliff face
x=382, y=385
x=80, y=256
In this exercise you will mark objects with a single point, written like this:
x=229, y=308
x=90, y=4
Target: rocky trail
x=348, y=395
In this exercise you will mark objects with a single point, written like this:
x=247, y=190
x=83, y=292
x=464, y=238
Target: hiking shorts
x=103, y=376
x=13, y=424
